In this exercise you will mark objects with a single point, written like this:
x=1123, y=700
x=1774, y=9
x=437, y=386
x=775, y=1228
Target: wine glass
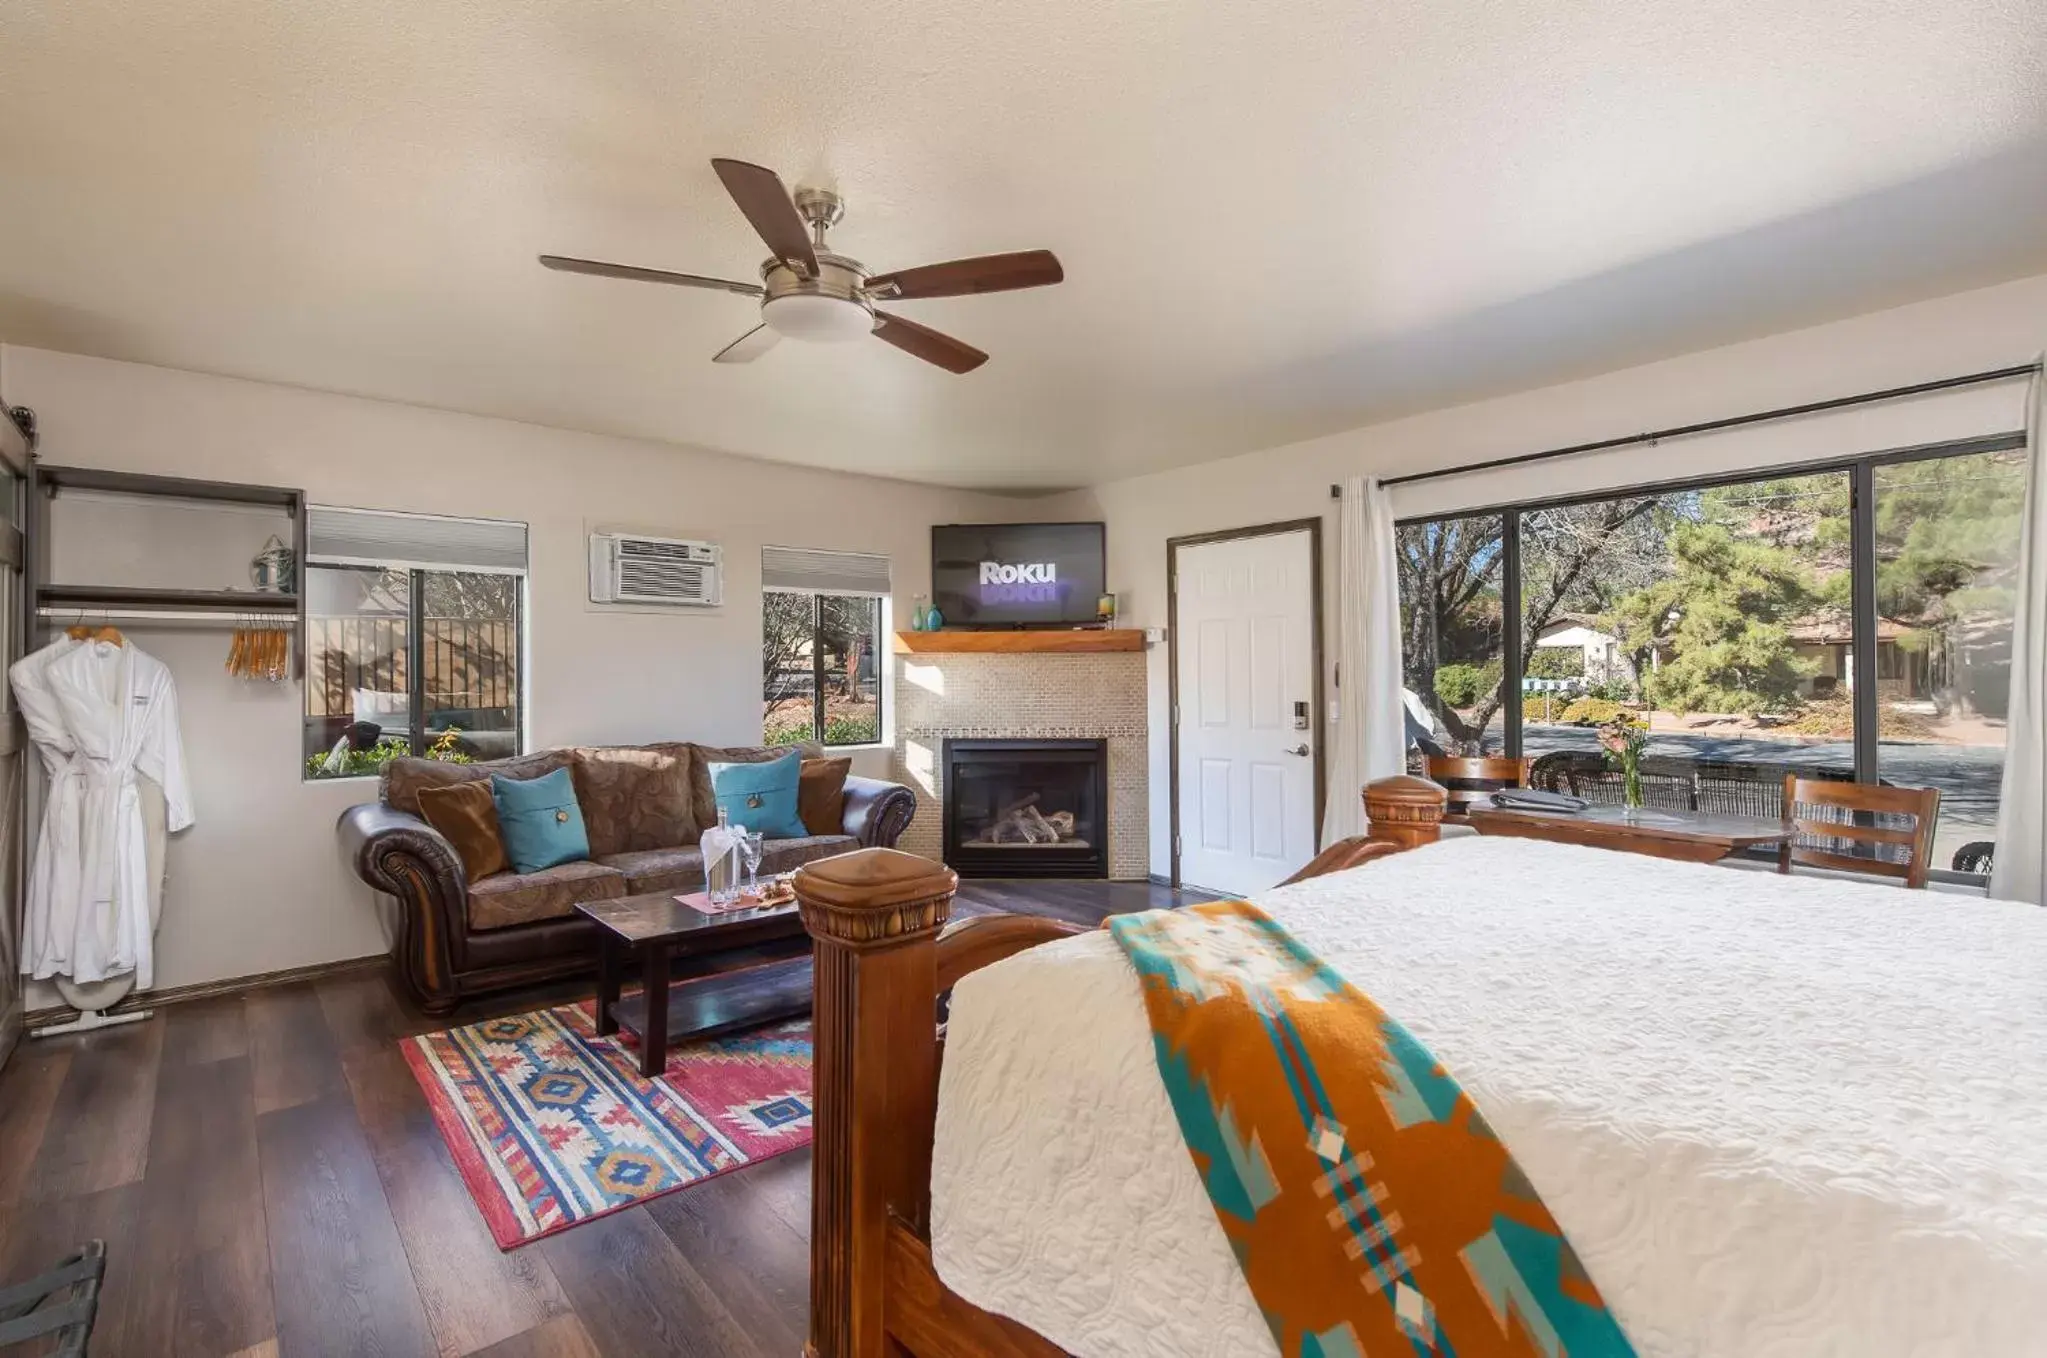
x=752, y=843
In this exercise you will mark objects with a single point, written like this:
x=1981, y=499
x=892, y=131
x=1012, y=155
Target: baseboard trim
x=1159, y=879
x=207, y=990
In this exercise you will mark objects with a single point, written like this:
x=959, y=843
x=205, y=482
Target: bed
x=1776, y=1130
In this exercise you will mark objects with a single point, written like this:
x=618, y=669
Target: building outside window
x=823, y=634
x=1727, y=617
x=414, y=640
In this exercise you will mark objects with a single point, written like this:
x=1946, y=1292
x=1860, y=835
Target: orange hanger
x=78, y=633
x=112, y=634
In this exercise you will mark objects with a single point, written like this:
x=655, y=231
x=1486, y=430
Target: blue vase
x=933, y=619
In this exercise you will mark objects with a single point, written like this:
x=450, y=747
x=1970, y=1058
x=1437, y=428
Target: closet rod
x=214, y=616
x=1710, y=426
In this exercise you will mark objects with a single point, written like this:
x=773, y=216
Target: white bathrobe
x=122, y=712
x=54, y=874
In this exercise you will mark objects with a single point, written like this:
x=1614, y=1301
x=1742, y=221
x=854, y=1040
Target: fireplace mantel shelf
x=1083, y=641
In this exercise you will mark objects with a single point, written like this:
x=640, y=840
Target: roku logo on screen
x=1035, y=582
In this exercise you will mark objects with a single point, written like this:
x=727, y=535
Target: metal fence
x=467, y=664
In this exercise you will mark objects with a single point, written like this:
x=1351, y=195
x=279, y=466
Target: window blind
x=371, y=537
x=814, y=572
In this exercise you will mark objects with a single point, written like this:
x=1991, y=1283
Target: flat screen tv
x=1017, y=574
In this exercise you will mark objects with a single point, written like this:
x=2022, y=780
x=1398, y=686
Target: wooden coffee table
x=1687, y=836
x=702, y=974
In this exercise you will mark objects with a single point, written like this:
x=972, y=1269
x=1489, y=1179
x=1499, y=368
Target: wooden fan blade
x=749, y=346
x=633, y=272
x=928, y=344
x=959, y=277
x=760, y=195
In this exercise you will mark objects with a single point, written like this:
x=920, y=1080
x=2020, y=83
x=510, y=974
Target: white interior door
x=1244, y=650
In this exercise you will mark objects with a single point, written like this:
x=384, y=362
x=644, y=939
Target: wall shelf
x=47, y=605
x=55, y=479
x=91, y=597
x=966, y=641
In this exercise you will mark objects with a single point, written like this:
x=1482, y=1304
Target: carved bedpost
x=1404, y=810
x=873, y=916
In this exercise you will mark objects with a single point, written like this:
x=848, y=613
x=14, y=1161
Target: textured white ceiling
x=1277, y=219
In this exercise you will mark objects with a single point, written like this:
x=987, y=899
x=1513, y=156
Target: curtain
x=2019, y=872
x=1371, y=734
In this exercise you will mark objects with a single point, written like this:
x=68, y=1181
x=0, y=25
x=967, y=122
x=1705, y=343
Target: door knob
x=1300, y=749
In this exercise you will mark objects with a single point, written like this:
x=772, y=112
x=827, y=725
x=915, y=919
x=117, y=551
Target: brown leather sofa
x=644, y=807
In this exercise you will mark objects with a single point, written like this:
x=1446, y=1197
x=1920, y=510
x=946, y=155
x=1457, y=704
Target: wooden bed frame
x=876, y=918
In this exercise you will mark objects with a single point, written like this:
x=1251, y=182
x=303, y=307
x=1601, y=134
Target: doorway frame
x=1313, y=528
x=17, y=453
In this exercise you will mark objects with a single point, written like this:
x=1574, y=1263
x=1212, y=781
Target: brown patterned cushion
x=522, y=898
x=679, y=869
x=787, y=855
x=467, y=816
x=635, y=797
x=707, y=755
x=406, y=775
x=821, y=794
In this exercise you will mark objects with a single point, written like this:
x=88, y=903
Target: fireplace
x=1027, y=808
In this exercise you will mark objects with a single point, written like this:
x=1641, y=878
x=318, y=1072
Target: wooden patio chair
x=1855, y=827
x=1470, y=777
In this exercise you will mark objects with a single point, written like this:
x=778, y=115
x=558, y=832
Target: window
x=822, y=625
x=1451, y=640
x=413, y=655
x=820, y=668
x=1728, y=616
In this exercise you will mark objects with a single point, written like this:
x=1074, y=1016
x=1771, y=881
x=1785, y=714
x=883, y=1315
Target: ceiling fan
x=807, y=292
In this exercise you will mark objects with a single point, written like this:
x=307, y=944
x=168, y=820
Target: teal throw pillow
x=762, y=797
x=540, y=822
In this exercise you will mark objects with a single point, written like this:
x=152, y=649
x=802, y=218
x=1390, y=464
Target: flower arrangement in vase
x=1622, y=740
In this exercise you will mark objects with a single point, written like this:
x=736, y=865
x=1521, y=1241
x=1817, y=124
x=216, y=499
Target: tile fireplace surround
x=1024, y=696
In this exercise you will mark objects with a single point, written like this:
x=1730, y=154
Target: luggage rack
x=62, y=1303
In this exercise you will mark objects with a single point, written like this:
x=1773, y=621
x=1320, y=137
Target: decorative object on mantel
x=1105, y=609
x=273, y=569
x=918, y=606
x=966, y=640
x=934, y=621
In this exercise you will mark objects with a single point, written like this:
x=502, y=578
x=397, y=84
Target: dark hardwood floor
x=269, y=1182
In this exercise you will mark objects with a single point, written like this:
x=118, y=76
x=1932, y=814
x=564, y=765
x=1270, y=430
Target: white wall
x=1968, y=332
x=258, y=884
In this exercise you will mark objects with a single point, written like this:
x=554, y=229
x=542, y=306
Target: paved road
x=1967, y=775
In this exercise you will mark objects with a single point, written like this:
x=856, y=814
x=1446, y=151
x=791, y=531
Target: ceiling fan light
x=817, y=318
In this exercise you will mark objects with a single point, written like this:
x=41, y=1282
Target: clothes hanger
x=241, y=657
x=112, y=634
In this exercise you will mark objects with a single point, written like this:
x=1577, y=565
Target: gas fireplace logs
x=1023, y=825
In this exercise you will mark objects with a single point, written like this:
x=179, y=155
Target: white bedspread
x=1775, y=1116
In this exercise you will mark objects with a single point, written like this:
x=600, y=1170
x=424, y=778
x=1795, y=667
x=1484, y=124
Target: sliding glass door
x=1738, y=619
x=1946, y=543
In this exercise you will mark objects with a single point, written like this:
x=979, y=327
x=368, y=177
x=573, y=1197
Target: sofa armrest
x=375, y=837
x=402, y=856
x=877, y=811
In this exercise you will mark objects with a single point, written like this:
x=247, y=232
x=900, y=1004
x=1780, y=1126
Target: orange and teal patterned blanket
x=1371, y=1208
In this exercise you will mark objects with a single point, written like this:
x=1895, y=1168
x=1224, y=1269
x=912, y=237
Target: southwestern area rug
x=551, y=1125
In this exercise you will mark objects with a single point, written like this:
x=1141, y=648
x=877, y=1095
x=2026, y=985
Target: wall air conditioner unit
x=629, y=569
